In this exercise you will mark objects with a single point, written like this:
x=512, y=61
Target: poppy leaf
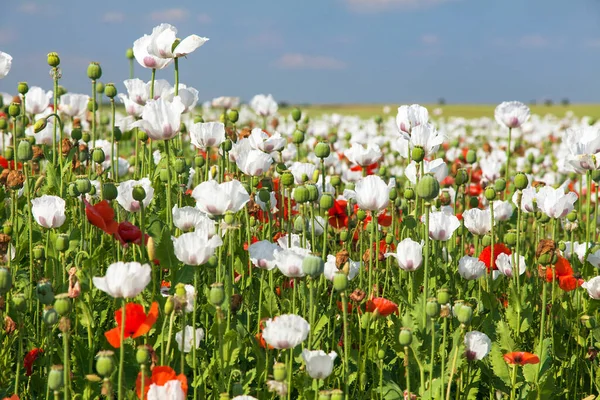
x=499, y=365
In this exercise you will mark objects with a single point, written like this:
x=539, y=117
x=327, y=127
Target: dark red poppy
x=567, y=279
x=381, y=306
x=30, y=359
x=3, y=162
x=521, y=358
x=137, y=322
x=338, y=214
x=486, y=255
x=129, y=233
x=102, y=216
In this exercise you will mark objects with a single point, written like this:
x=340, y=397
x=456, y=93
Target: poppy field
x=154, y=247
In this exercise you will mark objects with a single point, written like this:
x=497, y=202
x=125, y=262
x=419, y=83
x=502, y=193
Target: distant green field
x=450, y=110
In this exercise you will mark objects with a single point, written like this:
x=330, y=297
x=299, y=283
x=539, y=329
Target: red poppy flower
x=474, y=190
x=567, y=279
x=370, y=168
x=381, y=306
x=13, y=397
x=486, y=255
x=30, y=359
x=252, y=241
x=338, y=216
x=448, y=181
x=160, y=376
x=137, y=323
x=102, y=216
x=3, y=162
x=341, y=307
x=129, y=233
x=521, y=358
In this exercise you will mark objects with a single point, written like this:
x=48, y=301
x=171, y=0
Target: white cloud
x=30, y=8
x=169, y=15
x=382, y=5
x=7, y=35
x=204, y=18
x=113, y=17
x=592, y=43
x=533, y=41
x=305, y=61
x=430, y=39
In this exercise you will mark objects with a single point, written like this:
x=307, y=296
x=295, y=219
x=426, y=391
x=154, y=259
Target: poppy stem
x=431, y=361
x=94, y=107
x=588, y=198
x=346, y=339
x=506, y=169
x=121, y=352
x=407, y=369
x=513, y=382
x=426, y=267
x=114, y=172
x=454, y=358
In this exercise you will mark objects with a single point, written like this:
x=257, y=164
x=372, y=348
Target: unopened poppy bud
x=428, y=187
x=471, y=157
x=393, y=194
x=7, y=228
x=22, y=87
x=562, y=246
x=5, y=280
x=510, y=238
x=19, y=302
x=409, y=194
x=344, y=236
x=216, y=295
x=50, y=316
x=264, y=195
x=150, y=248
x=417, y=154
x=389, y=238
x=62, y=303
x=361, y=215
x=340, y=281
x=98, y=156
x=3, y=124
x=337, y=394
x=105, y=363
x=99, y=87
x=322, y=150
x=227, y=145
x=279, y=372
x=180, y=290
x=169, y=305
x=324, y=395
x=312, y=266
x=464, y=314
x=301, y=194
x=313, y=192
x=500, y=185
x=62, y=242
x=94, y=72
x=199, y=161
x=486, y=241
x=39, y=125
x=299, y=224
x=179, y=165
x=443, y=296
x=129, y=54
x=296, y=114
x=432, y=308
x=110, y=90
x=109, y=191
x=83, y=185
x=233, y=115
x=297, y=137
x=490, y=193
x=142, y=136
x=92, y=105
x=9, y=153
x=461, y=177
x=53, y=59
x=365, y=320
x=229, y=218
x=142, y=355
x=56, y=378
x=521, y=181
x=14, y=110
x=572, y=216
x=212, y=262
x=588, y=321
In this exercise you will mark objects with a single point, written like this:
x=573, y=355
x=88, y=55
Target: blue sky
x=323, y=51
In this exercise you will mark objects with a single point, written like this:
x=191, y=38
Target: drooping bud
x=40, y=125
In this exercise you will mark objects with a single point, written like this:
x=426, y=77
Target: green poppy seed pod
x=3, y=123
x=443, y=296
x=138, y=193
x=545, y=259
x=99, y=87
x=229, y=218
x=199, y=161
x=510, y=238
x=322, y=150
x=486, y=241
x=296, y=114
x=393, y=194
x=213, y=262
x=98, y=155
x=464, y=314
x=94, y=72
x=409, y=194
x=530, y=158
x=92, y=105
x=428, y=187
x=312, y=266
x=500, y=185
x=39, y=125
x=461, y=177
x=350, y=186
x=24, y=151
x=588, y=321
x=216, y=295
x=62, y=304
x=142, y=355
x=287, y=180
x=344, y=236
x=56, y=378
x=5, y=280
x=169, y=305
x=142, y=136
x=389, y=238
x=116, y=133
x=471, y=157
x=417, y=154
x=572, y=216
x=405, y=336
x=109, y=191
x=53, y=59
x=365, y=320
x=14, y=110
x=299, y=224
x=180, y=166
x=22, y=87
x=562, y=246
x=521, y=181
x=336, y=181
x=528, y=169
x=432, y=308
x=110, y=90
x=85, y=137
x=490, y=193
x=233, y=115
x=340, y=281
x=38, y=252
x=83, y=185
x=105, y=363
x=50, y=316
x=9, y=153
x=337, y=394
x=473, y=202
x=227, y=145
x=279, y=372
x=326, y=201
x=370, y=227
x=301, y=194
x=19, y=302
x=324, y=395
x=361, y=215
x=313, y=192
x=62, y=242
x=264, y=195
x=298, y=137
x=104, y=120
x=223, y=118
x=163, y=174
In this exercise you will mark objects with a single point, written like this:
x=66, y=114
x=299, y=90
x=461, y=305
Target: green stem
x=426, y=262
x=506, y=169
x=176, y=63
x=122, y=353
x=346, y=340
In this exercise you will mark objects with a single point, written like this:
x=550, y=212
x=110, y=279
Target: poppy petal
x=114, y=337
x=149, y=322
